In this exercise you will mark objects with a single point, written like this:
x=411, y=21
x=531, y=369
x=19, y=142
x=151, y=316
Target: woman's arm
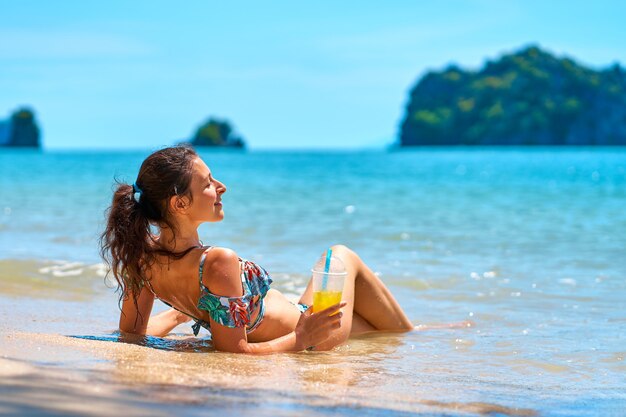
x=137, y=319
x=134, y=318
x=162, y=324
x=312, y=329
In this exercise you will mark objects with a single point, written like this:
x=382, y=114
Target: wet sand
x=67, y=376
x=45, y=373
x=60, y=355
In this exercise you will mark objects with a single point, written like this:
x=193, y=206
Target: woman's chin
x=218, y=217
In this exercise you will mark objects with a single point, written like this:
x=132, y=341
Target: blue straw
x=329, y=253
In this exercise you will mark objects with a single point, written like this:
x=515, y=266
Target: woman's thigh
x=360, y=325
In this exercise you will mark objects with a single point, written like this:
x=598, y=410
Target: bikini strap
x=246, y=290
x=195, y=327
x=151, y=288
x=201, y=267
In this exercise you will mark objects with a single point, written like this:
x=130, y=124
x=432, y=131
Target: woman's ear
x=179, y=204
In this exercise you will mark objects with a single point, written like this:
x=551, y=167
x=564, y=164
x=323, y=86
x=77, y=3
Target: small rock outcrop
x=217, y=133
x=20, y=130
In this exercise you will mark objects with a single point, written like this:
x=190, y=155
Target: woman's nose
x=221, y=187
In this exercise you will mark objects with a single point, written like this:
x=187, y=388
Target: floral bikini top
x=232, y=311
x=236, y=311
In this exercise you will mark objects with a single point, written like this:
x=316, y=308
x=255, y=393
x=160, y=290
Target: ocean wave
x=53, y=278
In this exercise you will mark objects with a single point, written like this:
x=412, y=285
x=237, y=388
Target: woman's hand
x=314, y=328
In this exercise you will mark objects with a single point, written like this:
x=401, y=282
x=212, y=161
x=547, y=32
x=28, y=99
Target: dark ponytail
x=127, y=244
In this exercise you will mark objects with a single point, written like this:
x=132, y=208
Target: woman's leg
x=360, y=325
x=367, y=298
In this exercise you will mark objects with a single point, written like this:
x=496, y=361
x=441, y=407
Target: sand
x=53, y=375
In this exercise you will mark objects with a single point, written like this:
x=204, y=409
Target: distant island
x=20, y=130
x=216, y=133
x=526, y=98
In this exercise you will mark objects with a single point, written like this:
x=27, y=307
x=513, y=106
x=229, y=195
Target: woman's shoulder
x=216, y=256
x=221, y=271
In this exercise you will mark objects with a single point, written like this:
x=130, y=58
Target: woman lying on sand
x=175, y=192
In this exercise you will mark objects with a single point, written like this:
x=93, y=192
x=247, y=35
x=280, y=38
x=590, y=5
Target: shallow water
x=527, y=244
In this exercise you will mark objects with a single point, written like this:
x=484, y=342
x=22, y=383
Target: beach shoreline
x=52, y=374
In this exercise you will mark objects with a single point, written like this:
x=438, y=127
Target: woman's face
x=207, y=194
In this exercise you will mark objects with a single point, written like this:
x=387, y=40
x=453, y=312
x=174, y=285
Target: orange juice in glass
x=328, y=283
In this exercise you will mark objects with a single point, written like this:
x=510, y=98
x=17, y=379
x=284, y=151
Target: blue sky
x=141, y=74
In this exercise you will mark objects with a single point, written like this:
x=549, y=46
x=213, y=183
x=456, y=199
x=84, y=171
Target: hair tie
x=137, y=192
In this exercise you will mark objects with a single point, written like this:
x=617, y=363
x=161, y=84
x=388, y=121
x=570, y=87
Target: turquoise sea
x=528, y=244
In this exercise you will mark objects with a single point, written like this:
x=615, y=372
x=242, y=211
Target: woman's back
x=214, y=284
x=176, y=281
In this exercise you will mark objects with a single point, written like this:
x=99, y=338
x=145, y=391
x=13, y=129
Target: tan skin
x=367, y=305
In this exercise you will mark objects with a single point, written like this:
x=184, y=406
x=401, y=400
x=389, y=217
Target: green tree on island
x=527, y=98
x=216, y=132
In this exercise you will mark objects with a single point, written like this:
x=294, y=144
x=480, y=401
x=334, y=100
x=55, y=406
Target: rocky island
x=20, y=130
x=216, y=133
x=529, y=97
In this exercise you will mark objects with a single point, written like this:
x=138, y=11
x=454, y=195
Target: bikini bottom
x=302, y=307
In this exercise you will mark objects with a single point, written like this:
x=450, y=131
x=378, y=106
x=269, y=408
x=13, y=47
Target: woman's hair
x=127, y=244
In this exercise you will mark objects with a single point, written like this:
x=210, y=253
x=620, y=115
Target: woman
x=175, y=192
